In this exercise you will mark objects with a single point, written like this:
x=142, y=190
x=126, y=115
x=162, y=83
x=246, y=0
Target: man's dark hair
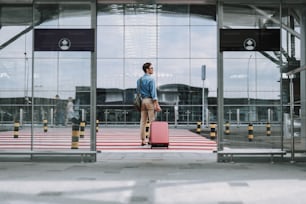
x=146, y=66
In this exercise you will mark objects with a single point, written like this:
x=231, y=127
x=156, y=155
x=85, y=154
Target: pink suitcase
x=159, y=134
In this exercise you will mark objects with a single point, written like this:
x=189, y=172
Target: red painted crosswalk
x=107, y=139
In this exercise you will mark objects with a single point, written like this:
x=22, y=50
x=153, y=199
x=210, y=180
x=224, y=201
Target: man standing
x=149, y=99
x=59, y=111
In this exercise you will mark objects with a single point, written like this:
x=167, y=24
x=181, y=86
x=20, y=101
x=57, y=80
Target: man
x=59, y=111
x=149, y=99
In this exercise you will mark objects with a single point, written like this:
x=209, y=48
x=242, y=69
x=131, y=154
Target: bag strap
x=139, y=87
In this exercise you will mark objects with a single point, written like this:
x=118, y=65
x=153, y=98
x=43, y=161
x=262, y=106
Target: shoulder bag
x=138, y=99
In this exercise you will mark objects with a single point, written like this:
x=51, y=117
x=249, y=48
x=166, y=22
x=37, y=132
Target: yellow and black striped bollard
x=268, y=126
x=16, y=129
x=250, y=132
x=198, y=130
x=45, y=125
x=97, y=125
x=213, y=131
x=148, y=130
x=82, y=129
x=75, y=136
x=227, y=128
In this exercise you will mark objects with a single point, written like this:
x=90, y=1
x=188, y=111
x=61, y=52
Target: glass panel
x=140, y=14
x=74, y=15
x=211, y=76
x=58, y=79
x=15, y=72
x=170, y=43
x=173, y=15
x=106, y=48
x=110, y=14
x=110, y=73
x=252, y=83
x=173, y=71
x=203, y=15
x=173, y=42
x=203, y=41
x=254, y=77
x=140, y=41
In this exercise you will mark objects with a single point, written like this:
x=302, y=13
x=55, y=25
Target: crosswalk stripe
x=106, y=139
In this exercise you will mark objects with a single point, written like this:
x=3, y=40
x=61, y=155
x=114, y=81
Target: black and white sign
x=64, y=40
x=249, y=39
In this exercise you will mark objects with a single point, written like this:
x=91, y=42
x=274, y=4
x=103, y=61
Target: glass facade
x=177, y=37
x=171, y=37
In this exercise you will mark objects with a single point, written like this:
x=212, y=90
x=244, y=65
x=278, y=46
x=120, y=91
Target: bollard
x=45, y=125
x=250, y=132
x=147, y=133
x=199, y=124
x=97, y=125
x=227, y=128
x=75, y=136
x=16, y=129
x=82, y=129
x=213, y=131
x=268, y=126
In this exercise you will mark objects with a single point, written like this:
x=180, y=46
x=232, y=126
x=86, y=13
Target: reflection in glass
x=140, y=14
x=110, y=73
x=173, y=71
x=110, y=14
x=173, y=42
x=106, y=48
x=74, y=15
x=171, y=15
x=203, y=41
x=140, y=41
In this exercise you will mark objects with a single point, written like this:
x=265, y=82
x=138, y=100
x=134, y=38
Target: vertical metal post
x=51, y=117
x=203, y=105
x=21, y=116
x=269, y=115
x=220, y=84
x=248, y=90
x=302, y=15
x=83, y=114
x=291, y=117
x=238, y=117
x=207, y=117
x=203, y=94
x=33, y=101
x=93, y=83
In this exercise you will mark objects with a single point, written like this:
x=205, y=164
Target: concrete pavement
x=151, y=177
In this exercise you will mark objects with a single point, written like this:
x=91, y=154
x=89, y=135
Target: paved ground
x=151, y=177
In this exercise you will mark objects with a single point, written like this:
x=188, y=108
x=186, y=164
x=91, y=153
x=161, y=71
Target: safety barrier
x=97, y=125
x=250, y=132
x=16, y=129
x=268, y=128
x=227, y=128
x=198, y=130
x=75, y=136
x=82, y=129
x=45, y=125
x=213, y=132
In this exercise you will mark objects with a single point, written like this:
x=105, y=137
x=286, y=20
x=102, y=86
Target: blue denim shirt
x=148, y=87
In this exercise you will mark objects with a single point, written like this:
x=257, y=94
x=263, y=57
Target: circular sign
x=64, y=44
x=249, y=44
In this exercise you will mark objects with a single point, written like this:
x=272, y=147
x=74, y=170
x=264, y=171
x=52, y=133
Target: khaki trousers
x=147, y=113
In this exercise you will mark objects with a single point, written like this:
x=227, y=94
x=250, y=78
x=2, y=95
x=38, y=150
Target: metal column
x=93, y=85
